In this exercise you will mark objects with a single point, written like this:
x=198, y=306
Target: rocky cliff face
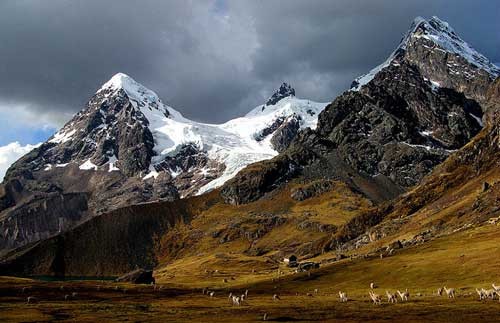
x=460, y=193
x=397, y=123
x=443, y=57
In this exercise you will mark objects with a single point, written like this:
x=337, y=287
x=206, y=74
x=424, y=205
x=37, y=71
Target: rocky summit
x=284, y=91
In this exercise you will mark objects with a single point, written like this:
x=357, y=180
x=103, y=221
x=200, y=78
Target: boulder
x=395, y=245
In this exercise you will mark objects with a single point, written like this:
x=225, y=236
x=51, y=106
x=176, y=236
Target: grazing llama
x=377, y=300
x=391, y=298
x=404, y=295
x=343, y=296
x=236, y=301
x=481, y=294
x=450, y=292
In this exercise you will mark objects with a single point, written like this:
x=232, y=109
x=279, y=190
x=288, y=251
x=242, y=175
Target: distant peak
x=444, y=36
x=138, y=93
x=432, y=33
x=434, y=21
x=433, y=26
x=120, y=81
x=284, y=91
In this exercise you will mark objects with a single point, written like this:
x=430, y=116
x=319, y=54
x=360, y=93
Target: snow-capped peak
x=136, y=92
x=119, y=81
x=442, y=35
x=127, y=128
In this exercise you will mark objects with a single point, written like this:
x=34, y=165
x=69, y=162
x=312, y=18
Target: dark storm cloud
x=340, y=40
x=212, y=60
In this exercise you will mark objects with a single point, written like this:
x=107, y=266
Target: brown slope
x=108, y=245
x=202, y=231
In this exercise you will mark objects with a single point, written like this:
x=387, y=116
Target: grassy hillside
x=463, y=260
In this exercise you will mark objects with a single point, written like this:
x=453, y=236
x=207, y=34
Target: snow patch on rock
x=88, y=165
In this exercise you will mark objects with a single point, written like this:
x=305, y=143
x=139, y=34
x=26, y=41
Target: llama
x=496, y=288
x=450, y=292
x=391, y=298
x=236, y=301
x=404, y=295
x=440, y=291
x=481, y=294
x=264, y=318
x=491, y=293
x=66, y=297
x=343, y=296
x=246, y=293
x=377, y=300
x=212, y=294
x=372, y=286
x=276, y=297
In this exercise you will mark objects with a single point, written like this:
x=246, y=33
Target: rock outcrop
x=284, y=91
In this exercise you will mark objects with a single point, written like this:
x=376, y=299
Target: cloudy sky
x=211, y=60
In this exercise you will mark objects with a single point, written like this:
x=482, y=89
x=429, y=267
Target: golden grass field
x=464, y=260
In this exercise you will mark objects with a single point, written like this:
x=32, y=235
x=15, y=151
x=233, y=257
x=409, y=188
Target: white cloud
x=10, y=153
x=28, y=115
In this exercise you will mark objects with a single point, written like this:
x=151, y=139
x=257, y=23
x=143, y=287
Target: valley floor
x=139, y=305
x=464, y=261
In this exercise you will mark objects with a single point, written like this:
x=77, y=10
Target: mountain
x=393, y=127
x=460, y=194
x=442, y=57
x=396, y=160
x=127, y=147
